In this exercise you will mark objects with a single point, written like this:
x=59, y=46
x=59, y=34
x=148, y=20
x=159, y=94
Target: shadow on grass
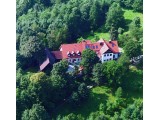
x=91, y=105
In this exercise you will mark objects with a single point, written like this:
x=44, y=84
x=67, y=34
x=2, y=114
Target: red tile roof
x=57, y=54
x=99, y=47
x=113, y=46
x=71, y=47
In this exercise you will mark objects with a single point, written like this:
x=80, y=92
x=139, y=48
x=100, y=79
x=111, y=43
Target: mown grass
x=96, y=36
x=129, y=15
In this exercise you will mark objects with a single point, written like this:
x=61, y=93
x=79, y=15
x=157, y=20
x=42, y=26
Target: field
x=129, y=15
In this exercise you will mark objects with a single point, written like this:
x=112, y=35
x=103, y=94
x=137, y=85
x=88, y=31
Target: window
x=113, y=56
x=104, y=55
x=107, y=54
x=87, y=46
x=110, y=54
x=93, y=47
x=110, y=58
x=96, y=46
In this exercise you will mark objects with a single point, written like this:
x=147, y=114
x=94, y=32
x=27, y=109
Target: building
x=105, y=50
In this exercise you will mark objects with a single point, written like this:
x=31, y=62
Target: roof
x=99, y=47
x=57, y=54
x=113, y=46
x=44, y=64
x=71, y=47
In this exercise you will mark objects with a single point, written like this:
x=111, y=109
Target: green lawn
x=98, y=95
x=129, y=15
x=96, y=36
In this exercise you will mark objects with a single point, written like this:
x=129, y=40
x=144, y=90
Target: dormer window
x=78, y=53
x=68, y=54
x=73, y=53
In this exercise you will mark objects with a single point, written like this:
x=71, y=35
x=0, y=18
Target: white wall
x=108, y=57
x=116, y=55
x=77, y=60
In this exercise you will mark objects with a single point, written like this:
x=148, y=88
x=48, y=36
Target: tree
x=128, y=3
x=133, y=111
x=136, y=22
x=60, y=68
x=125, y=62
x=115, y=17
x=32, y=49
x=117, y=104
x=59, y=79
x=118, y=93
x=89, y=59
x=135, y=31
x=114, y=72
x=40, y=84
x=37, y=112
x=75, y=99
x=83, y=91
x=98, y=74
x=94, y=15
x=101, y=117
x=132, y=49
x=71, y=116
x=138, y=5
x=113, y=33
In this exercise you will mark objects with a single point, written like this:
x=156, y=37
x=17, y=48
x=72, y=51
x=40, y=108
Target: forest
x=117, y=92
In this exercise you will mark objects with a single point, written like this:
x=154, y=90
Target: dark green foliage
x=114, y=72
x=120, y=30
x=71, y=116
x=115, y=17
x=136, y=22
x=60, y=67
x=132, y=49
x=133, y=80
x=138, y=5
x=140, y=65
x=118, y=93
x=98, y=74
x=128, y=3
x=37, y=112
x=50, y=23
x=89, y=59
x=30, y=47
x=133, y=111
x=117, y=104
x=113, y=33
x=124, y=61
x=122, y=39
x=101, y=117
x=83, y=91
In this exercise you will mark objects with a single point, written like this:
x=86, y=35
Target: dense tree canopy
x=44, y=24
x=37, y=112
x=132, y=49
x=89, y=59
x=114, y=72
x=98, y=74
x=115, y=17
